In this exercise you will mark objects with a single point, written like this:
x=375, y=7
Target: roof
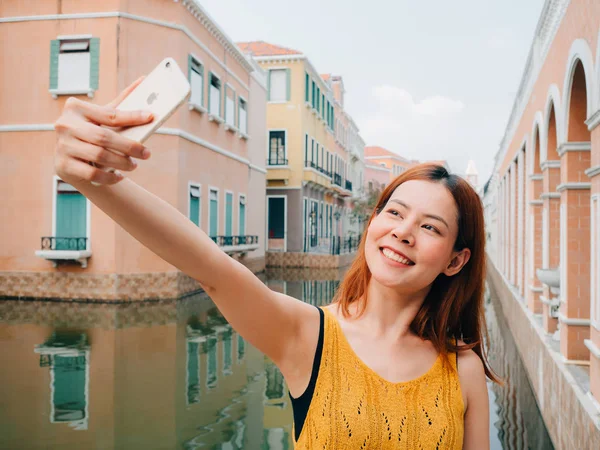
x=380, y=152
x=262, y=48
x=326, y=76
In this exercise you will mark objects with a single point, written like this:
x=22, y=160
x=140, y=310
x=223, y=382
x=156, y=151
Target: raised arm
x=278, y=325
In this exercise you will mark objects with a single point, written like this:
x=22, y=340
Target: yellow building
x=314, y=152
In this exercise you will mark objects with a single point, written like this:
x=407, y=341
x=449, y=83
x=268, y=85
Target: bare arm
x=477, y=414
x=272, y=322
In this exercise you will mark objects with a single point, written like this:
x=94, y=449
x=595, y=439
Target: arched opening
x=575, y=237
x=552, y=139
x=534, y=225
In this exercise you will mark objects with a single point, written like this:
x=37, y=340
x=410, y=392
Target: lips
x=396, y=256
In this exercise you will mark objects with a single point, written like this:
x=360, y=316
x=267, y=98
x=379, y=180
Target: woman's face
x=411, y=241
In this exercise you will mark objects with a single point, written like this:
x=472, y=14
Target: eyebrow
x=431, y=216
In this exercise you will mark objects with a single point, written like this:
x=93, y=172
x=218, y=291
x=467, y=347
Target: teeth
x=396, y=257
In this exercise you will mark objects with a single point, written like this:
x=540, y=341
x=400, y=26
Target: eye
x=431, y=228
x=393, y=212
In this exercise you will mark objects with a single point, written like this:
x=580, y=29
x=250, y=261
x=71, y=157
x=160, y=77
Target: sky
x=427, y=80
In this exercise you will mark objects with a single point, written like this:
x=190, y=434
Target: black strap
x=301, y=404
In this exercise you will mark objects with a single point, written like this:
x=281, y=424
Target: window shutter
x=190, y=68
x=209, y=85
x=225, y=102
x=269, y=86
x=94, y=62
x=54, y=51
x=288, y=80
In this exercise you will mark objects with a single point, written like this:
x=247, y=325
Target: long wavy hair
x=453, y=309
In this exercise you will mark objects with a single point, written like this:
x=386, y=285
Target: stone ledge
x=572, y=420
x=104, y=288
x=300, y=259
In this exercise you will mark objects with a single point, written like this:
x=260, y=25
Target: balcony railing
x=231, y=241
x=345, y=245
x=64, y=243
x=276, y=160
x=337, y=179
x=317, y=168
x=348, y=185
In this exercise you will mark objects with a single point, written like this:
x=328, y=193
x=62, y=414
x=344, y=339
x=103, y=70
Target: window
x=242, y=115
x=194, y=206
x=196, y=76
x=229, y=106
x=70, y=218
x=228, y=213
x=214, y=98
x=213, y=226
x=193, y=373
x=278, y=85
x=277, y=155
x=323, y=106
x=242, y=216
x=314, y=94
x=306, y=87
x=74, y=64
x=318, y=105
x=305, y=150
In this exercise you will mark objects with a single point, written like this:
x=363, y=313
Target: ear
x=458, y=261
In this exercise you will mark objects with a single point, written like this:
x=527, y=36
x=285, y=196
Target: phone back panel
x=161, y=92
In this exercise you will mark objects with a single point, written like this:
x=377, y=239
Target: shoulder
x=471, y=374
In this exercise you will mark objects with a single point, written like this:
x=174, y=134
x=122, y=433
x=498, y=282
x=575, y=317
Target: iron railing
x=346, y=245
x=348, y=185
x=337, y=179
x=228, y=241
x=276, y=160
x=64, y=243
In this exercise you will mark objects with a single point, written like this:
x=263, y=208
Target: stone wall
x=110, y=287
x=572, y=420
x=315, y=260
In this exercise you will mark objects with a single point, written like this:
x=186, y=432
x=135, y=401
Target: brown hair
x=453, y=308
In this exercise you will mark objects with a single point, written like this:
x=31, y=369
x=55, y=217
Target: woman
x=395, y=362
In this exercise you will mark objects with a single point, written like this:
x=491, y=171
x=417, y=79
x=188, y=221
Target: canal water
x=174, y=375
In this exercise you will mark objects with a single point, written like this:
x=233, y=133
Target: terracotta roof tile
x=261, y=48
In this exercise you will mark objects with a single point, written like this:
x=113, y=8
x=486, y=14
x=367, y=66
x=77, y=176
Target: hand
x=81, y=140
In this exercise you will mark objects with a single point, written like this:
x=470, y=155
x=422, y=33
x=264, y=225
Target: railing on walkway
x=228, y=241
x=64, y=243
x=346, y=245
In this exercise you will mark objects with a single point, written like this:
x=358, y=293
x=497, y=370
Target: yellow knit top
x=354, y=408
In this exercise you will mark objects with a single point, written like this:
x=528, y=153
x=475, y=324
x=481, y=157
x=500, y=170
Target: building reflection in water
x=174, y=374
x=67, y=357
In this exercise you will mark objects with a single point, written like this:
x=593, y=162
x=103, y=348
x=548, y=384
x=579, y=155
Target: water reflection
x=515, y=415
x=176, y=375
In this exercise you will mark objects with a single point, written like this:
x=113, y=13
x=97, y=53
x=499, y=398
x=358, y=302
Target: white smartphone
x=161, y=92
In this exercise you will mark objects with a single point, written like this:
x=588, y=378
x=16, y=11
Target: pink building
x=208, y=159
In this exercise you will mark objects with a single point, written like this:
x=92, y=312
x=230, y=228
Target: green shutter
x=190, y=68
x=228, y=214
x=193, y=373
x=54, y=51
x=70, y=217
x=306, y=87
x=208, y=89
x=227, y=353
x=242, y=230
x=269, y=86
x=195, y=210
x=225, y=103
x=69, y=388
x=288, y=80
x=211, y=367
x=94, y=62
x=241, y=347
x=212, y=230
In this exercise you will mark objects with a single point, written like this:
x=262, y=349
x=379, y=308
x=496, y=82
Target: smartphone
x=161, y=92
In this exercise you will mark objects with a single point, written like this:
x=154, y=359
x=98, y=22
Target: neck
x=389, y=313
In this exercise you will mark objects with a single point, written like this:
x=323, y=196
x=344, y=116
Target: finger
x=85, y=172
x=128, y=90
x=111, y=117
x=108, y=139
x=101, y=156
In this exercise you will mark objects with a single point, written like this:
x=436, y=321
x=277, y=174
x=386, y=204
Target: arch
x=538, y=133
x=552, y=101
x=580, y=52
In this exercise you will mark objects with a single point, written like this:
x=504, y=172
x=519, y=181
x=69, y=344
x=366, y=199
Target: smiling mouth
x=390, y=254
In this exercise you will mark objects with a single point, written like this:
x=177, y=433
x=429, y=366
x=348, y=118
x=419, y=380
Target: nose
x=403, y=232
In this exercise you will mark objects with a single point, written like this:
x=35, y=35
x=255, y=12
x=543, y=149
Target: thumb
x=125, y=93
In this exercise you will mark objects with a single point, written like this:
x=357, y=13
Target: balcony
x=337, y=179
x=313, y=173
x=278, y=169
x=236, y=244
x=349, y=185
x=64, y=249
